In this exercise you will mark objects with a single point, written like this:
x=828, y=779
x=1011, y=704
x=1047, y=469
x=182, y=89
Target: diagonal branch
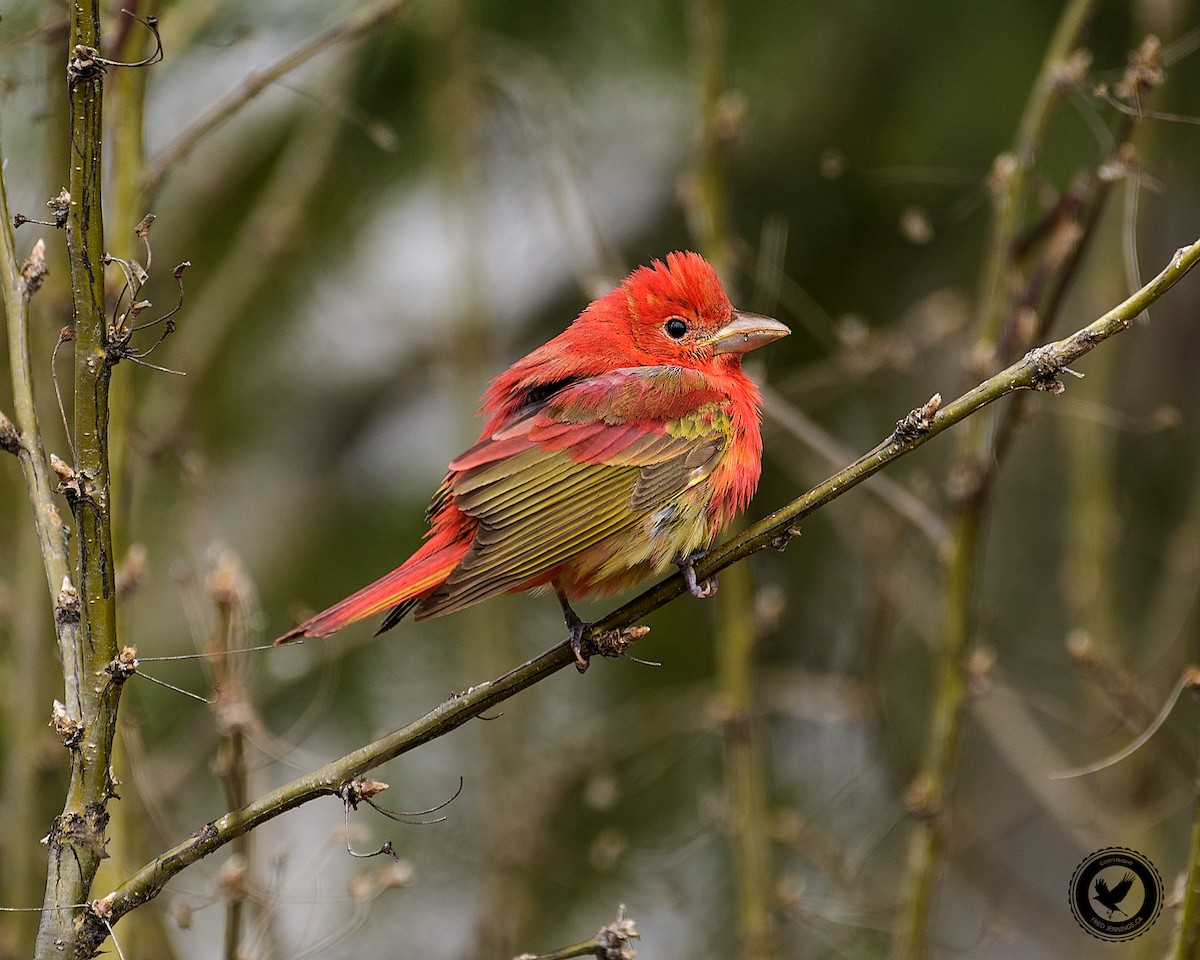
x=1038, y=370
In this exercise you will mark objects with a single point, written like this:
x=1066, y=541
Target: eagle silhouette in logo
x=1109, y=899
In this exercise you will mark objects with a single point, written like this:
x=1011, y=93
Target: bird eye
x=676, y=328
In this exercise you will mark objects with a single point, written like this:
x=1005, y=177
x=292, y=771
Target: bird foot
x=579, y=638
x=700, y=589
x=581, y=644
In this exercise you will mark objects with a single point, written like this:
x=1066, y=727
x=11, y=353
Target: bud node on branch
x=10, y=436
x=69, y=730
x=917, y=423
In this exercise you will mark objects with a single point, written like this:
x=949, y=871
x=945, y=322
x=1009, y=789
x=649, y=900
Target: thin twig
x=1038, y=370
x=928, y=523
x=614, y=940
x=1189, y=680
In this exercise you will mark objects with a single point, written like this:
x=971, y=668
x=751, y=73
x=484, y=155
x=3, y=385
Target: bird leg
x=576, y=625
x=701, y=589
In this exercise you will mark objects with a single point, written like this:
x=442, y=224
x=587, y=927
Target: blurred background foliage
x=377, y=233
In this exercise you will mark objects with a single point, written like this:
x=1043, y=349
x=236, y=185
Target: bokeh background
x=376, y=234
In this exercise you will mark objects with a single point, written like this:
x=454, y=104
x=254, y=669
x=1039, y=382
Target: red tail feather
x=417, y=577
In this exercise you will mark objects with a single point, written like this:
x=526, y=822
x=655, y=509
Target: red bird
x=618, y=449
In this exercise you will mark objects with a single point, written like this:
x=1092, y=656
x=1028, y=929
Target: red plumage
x=616, y=449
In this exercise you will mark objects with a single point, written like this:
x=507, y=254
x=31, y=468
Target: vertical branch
x=704, y=193
x=25, y=440
x=971, y=483
x=1090, y=520
x=1010, y=172
x=226, y=587
x=27, y=669
x=747, y=813
x=1187, y=934
x=20, y=282
x=747, y=810
x=77, y=838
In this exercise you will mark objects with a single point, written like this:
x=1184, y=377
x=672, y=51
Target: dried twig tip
x=66, y=611
x=1191, y=679
x=359, y=789
x=61, y=207
x=918, y=421
x=614, y=643
x=70, y=482
x=1046, y=369
x=922, y=799
x=615, y=940
x=124, y=665
x=784, y=537
x=1144, y=73
x=69, y=730
x=34, y=269
x=10, y=436
x=63, y=470
x=103, y=907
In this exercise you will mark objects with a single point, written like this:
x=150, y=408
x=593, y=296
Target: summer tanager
x=618, y=449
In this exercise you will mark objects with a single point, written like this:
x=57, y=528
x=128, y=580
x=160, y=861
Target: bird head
x=677, y=313
x=671, y=313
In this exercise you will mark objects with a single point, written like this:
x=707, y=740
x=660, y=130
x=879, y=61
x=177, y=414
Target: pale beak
x=747, y=331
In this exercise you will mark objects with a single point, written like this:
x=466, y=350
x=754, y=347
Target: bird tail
x=399, y=591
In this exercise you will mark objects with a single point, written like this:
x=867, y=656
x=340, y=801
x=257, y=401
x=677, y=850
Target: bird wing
x=594, y=460
x=1102, y=891
x=1122, y=888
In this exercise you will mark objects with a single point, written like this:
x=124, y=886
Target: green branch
x=1010, y=172
x=88, y=721
x=743, y=754
x=1187, y=935
x=975, y=471
x=20, y=282
x=1038, y=370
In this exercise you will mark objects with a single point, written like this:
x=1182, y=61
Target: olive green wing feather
x=574, y=472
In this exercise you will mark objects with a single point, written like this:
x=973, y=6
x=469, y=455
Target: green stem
x=52, y=535
x=1038, y=370
x=746, y=780
x=976, y=468
x=1010, y=173
x=927, y=795
x=230, y=766
x=747, y=805
x=77, y=839
x=1187, y=935
x=20, y=282
x=706, y=208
